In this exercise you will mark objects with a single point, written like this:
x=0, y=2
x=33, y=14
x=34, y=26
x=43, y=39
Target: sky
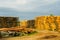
x=29, y=9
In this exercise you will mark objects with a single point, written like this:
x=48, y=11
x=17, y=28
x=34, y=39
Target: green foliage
x=51, y=15
x=32, y=33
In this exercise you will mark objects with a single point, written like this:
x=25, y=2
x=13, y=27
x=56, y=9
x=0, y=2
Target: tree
x=51, y=15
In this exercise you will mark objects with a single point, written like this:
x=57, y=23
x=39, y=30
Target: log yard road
x=42, y=35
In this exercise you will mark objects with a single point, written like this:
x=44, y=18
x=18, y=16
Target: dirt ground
x=42, y=35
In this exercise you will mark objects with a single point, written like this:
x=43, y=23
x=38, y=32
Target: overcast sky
x=28, y=9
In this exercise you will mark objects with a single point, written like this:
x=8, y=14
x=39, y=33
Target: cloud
x=25, y=5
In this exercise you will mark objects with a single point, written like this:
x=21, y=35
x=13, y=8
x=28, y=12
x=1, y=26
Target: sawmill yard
x=29, y=19
x=41, y=28
x=40, y=35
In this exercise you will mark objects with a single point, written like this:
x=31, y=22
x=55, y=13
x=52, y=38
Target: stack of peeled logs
x=48, y=23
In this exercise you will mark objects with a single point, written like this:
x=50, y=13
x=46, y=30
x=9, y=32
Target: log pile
x=48, y=23
x=8, y=22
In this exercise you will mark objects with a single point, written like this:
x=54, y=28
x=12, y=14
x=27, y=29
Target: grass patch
x=32, y=33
